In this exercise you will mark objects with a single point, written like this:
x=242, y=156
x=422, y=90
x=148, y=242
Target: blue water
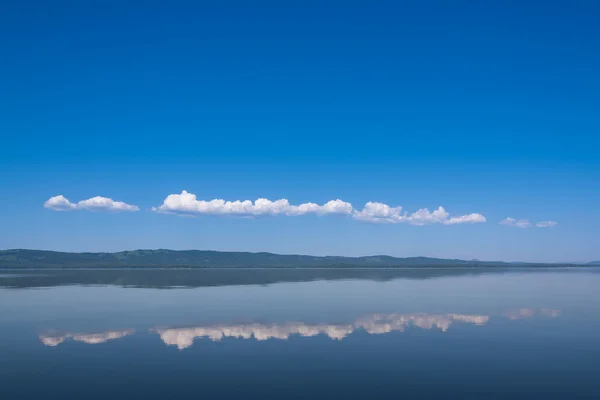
x=490, y=336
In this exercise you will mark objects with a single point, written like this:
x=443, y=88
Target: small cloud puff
x=61, y=203
x=546, y=224
x=523, y=223
x=520, y=223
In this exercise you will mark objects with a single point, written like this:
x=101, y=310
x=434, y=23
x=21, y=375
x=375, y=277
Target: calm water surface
x=518, y=334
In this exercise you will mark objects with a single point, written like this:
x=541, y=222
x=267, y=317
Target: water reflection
x=174, y=278
x=529, y=312
x=374, y=324
x=89, y=338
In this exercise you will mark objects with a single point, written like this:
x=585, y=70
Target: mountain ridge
x=165, y=258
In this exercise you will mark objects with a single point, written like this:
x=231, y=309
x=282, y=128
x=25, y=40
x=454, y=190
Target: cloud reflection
x=372, y=324
x=89, y=338
x=523, y=313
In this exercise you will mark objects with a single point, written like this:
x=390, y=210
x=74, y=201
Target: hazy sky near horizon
x=489, y=110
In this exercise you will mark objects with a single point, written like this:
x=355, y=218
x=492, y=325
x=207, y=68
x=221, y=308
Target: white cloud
x=61, y=203
x=523, y=223
x=187, y=203
x=517, y=223
x=546, y=224
x=382, y=213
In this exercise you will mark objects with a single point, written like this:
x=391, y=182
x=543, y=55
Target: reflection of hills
x=373, y=324
x=89, y=338
x=530, y=312
x=171, y=278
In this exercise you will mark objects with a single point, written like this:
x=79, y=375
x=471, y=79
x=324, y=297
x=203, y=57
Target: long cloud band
x=187, y=204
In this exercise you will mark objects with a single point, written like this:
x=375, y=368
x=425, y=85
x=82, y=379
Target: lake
x=503, y=334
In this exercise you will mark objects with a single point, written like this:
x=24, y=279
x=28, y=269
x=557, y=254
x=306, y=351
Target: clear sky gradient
x=479, y=107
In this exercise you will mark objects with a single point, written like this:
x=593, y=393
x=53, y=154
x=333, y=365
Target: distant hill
x=20, y=258
x=594, y=263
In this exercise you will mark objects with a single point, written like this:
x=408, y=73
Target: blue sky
x=480, y=108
